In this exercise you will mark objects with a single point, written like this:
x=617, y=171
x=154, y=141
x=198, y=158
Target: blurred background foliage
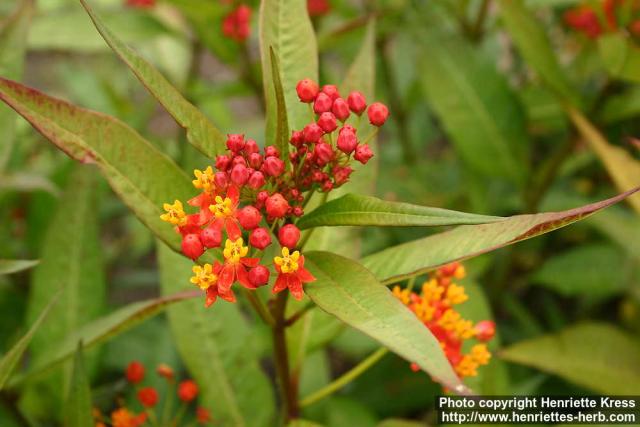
x=474, y=127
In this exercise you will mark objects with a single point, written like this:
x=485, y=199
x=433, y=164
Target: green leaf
x=623, y=106
x=285, y=27
x=282, y=123
x=71, y=261
x=422, y=255
x=78, y=409
x=217, y=346
x=200, y=131
x=597, y=356
x=13, y=40
x=102, y=330
x=532, y=41
x=12, y=357
x=620, y=56
x=396, y=422
x=592, y=270
x=10, y=266
x=353, y=209
x=622, y=167
x=122, y=155
x=350, y=292
x=473, y=101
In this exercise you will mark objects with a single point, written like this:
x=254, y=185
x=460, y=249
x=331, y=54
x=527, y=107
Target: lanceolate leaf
x=466, y=241
x=593, y=355
x=12, y=357
x=143, y=177
x=71, y=262
x=216, y=345
x=620, y=56
x=285, y=27
x=103, y=329
x=350, y=292
x=353, y=209
x=9, y=266
x=282, y=123
x=78, y=409
x=13, y=40
x=200, y=131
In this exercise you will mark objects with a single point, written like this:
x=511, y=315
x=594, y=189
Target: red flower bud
x=259, y=275
x=357, y=102
x=322, y=103
x=327, y=122
x=341, y=174
x=235, y=142
x=297, y=138
x=135, y=372
x=251, y=146
x=165, y=371
x=238, y=160
x=273, y=166
x=262, y=197
x=297, y=211
x=312, y=133
x=260, y=238
x=148, y=396
x=223, y=162
x=276, y=206
x=324, y=153
x=318, y=7
x=332, y=91
x=240, y=175
x=256, y=180
x=307, y=90
x=187, y=390
x=378, y=113
x=363, y=153
x=202, y=415
x=289, y=235
x=271, y=151
x=347, y=140
x=243, y=14
x=485, y=330
x=221, y=179
x=327, y=186
x=340, y=109
x=192, y=246
x=249, y=217
x=255, y=160
x=211, y=237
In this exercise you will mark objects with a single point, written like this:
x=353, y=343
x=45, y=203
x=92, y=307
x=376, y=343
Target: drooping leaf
x=13, y=40
x=350, y=292
x=282, y=122
x=123, y=156
x=623, y=169
x=597, y=356
x=200, y=131
x=473, y=101
x=467, y=241
x=216, y=346
x=285, y=26
x=354, y=209
x=101, y=330
x=71, y=261
x=533, y=43
x=12, y=357
x=620, y=56
x=10, y=266
x=78, y=407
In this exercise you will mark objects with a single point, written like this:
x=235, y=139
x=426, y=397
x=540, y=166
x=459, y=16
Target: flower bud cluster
x=593, y=20
x=434, y=306
x=236, y=25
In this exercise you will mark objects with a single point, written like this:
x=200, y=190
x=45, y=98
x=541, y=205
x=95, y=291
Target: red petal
x=234, y=194
x=233, y=229
x=250, y=262
x=304, y=275
x=281, y=283
x=228, y=296
x=227, y=277
x=295, y=287
x=243, y=277
x=212, y=295
x=196, y=201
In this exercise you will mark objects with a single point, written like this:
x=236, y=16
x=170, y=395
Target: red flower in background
x=318, y=7
x=141, y=4
x=237, y=24
x=590, y=22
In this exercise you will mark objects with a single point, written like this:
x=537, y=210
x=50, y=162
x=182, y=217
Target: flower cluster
x=148, y=398
x=434, y=306
x=610, y=17
x=252, y=194
x=236, y=25
x=318, y=7
x=140, y=4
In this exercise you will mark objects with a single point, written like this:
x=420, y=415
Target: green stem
x=345, y=379
x=281, y=356
x=259, y=307
x=168, y=402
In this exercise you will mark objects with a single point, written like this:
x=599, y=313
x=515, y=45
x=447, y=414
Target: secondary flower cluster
x=434, y=306
x=252, y=194
x=612, y=15
x=236, y=25
x=148, y=397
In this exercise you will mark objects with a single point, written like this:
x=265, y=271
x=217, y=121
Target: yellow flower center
x=175, y=214
x=204, y=179
x=288, y=263
x=234, y=251
x=222, y=208
x=204, y=277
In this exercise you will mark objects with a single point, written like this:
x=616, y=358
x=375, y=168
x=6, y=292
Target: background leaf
x=78, y=408
x=218, y=347
x=348, y=291
x=620, y=56
x=10, y=266
x=597, y=356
